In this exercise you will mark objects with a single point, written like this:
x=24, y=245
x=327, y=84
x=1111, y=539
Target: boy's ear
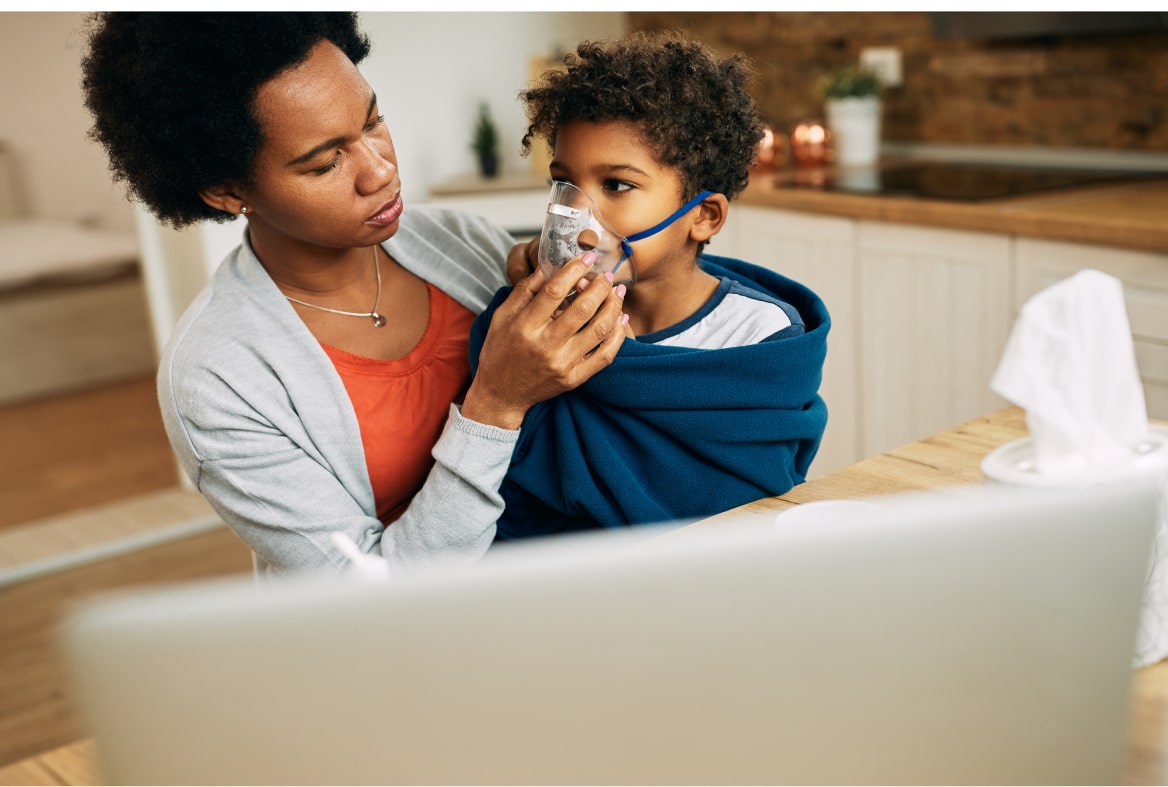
x=223, y=198
x=711, y=216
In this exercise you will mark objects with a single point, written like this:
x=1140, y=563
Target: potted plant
x=485, y=142
x=852, y=103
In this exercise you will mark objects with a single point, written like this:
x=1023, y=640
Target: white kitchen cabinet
x=919, y=320
x=934, y=315
x=921, y=315
x=1041, y=263
x=816, y=251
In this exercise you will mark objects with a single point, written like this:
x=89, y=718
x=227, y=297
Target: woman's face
x=326, y=175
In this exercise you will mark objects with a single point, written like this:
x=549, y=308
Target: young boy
x=715, y=401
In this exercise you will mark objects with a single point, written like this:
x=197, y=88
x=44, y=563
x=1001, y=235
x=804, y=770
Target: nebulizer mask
x=573, y=225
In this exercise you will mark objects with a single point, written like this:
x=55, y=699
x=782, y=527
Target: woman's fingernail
x=624, y=319
x=589, y=257
x=608, y=275
x=620, y=291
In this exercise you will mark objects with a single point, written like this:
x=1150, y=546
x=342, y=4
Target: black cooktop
x=965, y=182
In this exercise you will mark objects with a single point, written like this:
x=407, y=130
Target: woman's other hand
x=534, y=349
x=522, y=260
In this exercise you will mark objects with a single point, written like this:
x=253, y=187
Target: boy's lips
x=388, y=213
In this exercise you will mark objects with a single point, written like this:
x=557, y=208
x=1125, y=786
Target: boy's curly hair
x=171, y=96
x=690, y=105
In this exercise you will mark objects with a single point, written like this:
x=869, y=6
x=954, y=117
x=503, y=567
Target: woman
x=320, y=384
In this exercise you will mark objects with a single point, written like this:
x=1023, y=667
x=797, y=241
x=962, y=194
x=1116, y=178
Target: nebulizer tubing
x=636, y=236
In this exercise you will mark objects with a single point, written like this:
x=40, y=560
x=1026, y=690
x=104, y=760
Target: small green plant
x=852, y=82
x=485, y=142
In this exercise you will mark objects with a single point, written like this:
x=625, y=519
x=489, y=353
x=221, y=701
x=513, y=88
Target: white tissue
x=1071, y=365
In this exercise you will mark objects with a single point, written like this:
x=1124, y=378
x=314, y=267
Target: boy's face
x=631, y=189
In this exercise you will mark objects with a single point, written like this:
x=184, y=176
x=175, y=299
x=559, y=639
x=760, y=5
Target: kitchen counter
x=1128, y=215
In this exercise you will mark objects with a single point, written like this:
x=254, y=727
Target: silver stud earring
x=243, y=208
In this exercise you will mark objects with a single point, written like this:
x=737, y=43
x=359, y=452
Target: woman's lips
x=388, y=214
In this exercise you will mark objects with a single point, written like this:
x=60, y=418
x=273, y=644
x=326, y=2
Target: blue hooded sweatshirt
x=667, y=434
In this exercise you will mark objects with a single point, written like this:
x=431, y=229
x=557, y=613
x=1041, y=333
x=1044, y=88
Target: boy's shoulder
x=754, y=300
x=770, y=282
x=734, y=316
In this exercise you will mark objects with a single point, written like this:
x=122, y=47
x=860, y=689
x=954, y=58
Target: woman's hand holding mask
x=535, y=350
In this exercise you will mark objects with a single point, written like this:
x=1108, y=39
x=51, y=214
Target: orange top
x=402, y=404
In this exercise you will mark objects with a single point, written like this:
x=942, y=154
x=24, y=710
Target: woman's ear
x=223, y=198
x=711, y=216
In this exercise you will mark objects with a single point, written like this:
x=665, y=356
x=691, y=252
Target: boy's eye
x=377, y=121
x=617, y=185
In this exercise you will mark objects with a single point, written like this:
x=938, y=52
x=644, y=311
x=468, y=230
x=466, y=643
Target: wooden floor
x=36, y=708
x=77, y=450
x=89, y=498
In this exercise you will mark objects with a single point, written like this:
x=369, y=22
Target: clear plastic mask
x=572, y=226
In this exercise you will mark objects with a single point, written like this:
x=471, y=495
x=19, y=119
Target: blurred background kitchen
x=1012, y=149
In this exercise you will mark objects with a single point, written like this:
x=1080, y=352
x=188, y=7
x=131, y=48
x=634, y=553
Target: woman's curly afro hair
x=691, y=106
x=171, y=96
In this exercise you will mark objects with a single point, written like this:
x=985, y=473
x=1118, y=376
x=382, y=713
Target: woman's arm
x=286, y=483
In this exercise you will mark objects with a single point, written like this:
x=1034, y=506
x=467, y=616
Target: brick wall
x=1103, y=91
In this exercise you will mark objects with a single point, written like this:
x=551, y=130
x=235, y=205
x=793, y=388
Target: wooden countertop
x=72, y=764
x=1132, y=215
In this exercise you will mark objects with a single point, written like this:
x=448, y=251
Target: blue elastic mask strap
x=693, y=203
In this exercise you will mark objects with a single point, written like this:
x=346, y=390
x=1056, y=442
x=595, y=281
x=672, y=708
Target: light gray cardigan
x=264, y=428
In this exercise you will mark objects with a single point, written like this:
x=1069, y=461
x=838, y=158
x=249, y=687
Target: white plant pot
x=855, y=126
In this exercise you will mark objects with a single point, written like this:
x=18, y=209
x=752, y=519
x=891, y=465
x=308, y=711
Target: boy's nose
x=587, y=240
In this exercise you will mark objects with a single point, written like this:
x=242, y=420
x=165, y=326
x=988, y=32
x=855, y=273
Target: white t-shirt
x=735, y=316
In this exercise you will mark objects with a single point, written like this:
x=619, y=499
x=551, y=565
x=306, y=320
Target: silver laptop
x=982, y=635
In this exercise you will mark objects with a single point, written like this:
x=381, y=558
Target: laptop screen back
x=979, y=636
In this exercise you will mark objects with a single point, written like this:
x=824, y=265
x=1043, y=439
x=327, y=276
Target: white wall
x=44, y=122
x=430, y=70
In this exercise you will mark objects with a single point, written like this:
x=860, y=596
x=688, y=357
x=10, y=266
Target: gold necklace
x=378, y=320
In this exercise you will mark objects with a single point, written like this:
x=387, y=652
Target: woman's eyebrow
x=329, y=143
